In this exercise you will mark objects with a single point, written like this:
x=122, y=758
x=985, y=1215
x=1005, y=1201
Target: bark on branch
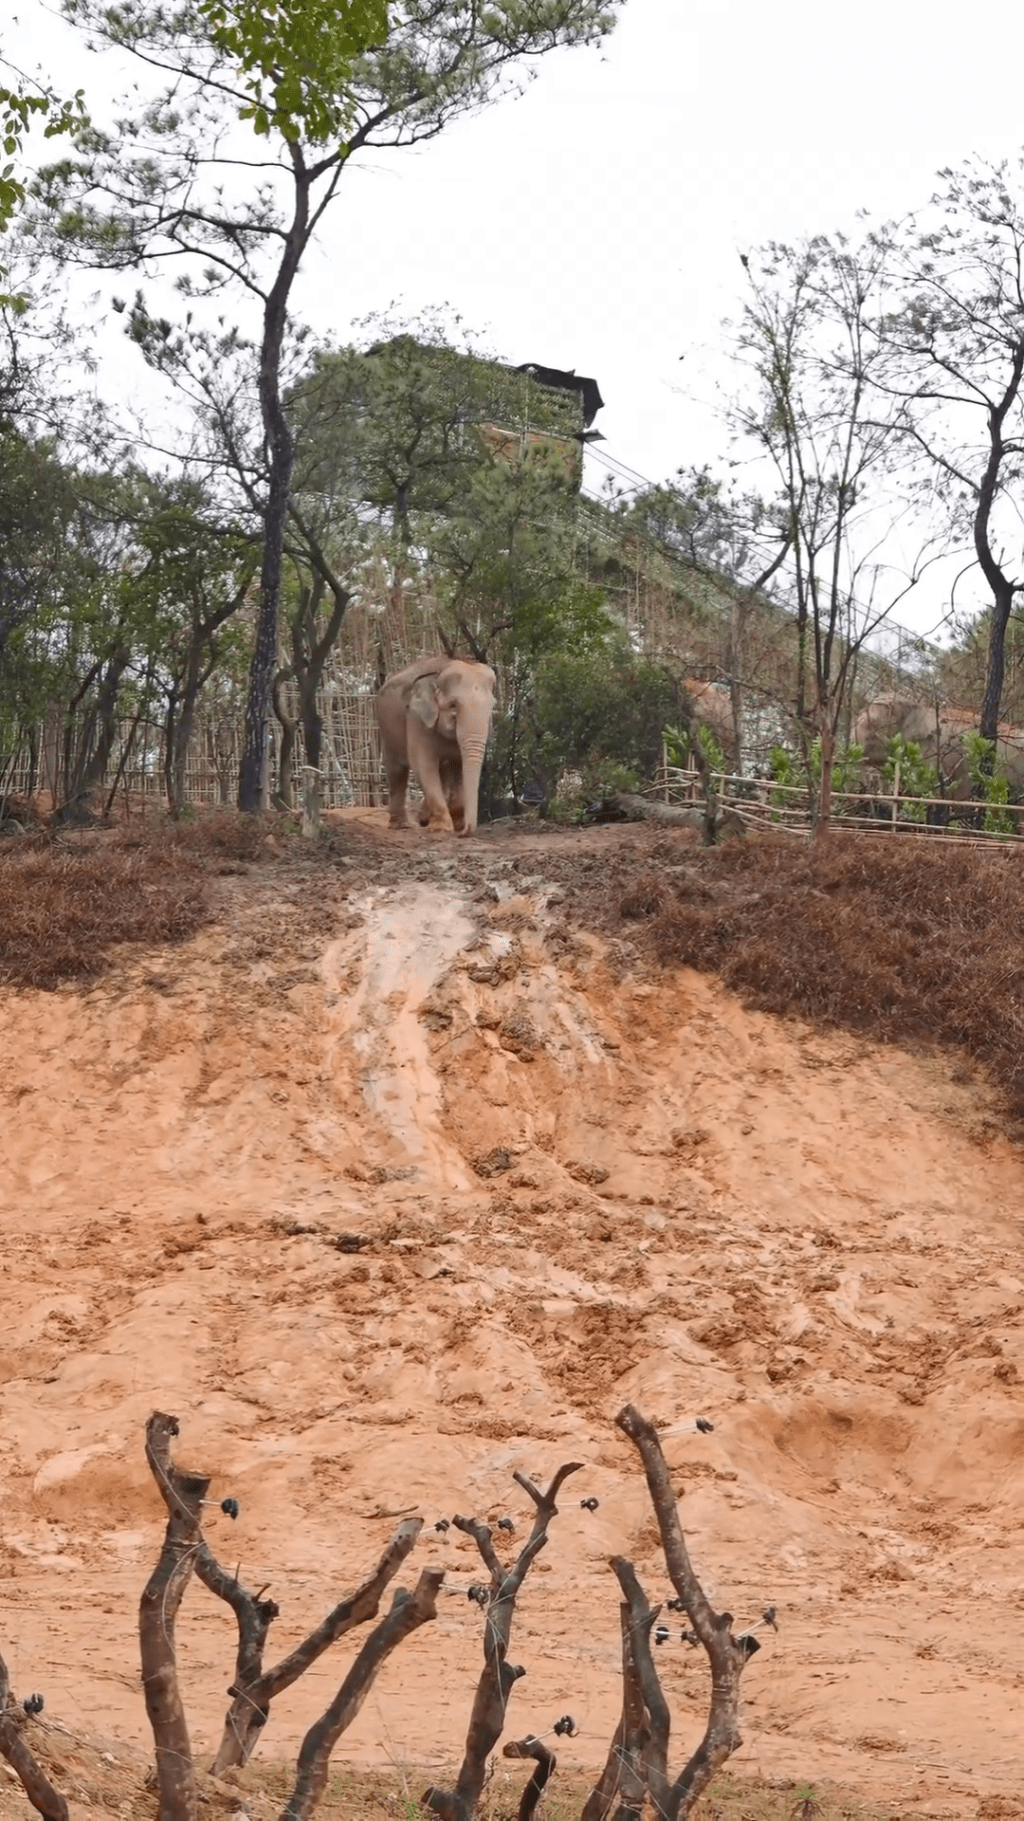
x=546, y=1761
x=726, y=1656
x=183, y=1494
x=487, y=1721
x=408, y=1612
x=254, y=1688
x=46, y=1800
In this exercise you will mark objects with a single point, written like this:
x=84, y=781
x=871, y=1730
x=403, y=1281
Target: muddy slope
x=391, y=1182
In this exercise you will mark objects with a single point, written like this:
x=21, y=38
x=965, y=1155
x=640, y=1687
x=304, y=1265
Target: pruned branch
x=499, y=1676
x=408, y=1612
x=254, y=1688
x=183, y=1494
x=46, y=1800
x=713, y=1630
x=632, y=1780
x=546, y=1762
x=601, y=1796
x=657, y=1719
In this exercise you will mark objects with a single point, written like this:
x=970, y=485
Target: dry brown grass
x=63, y=909
x=896, y=940
x=215, y=834
x=108, y=1776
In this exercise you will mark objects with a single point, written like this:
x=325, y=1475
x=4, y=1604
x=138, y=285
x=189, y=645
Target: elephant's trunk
x=472, y=750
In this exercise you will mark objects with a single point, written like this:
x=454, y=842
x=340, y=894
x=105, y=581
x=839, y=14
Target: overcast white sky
x=597, y=222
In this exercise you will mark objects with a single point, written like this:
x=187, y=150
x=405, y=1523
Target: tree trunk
x=281, y=452
x=823, y=815
x=1002, y=604
x=170, y=723
x=312, y=739
x=286, y=751
x=93, y=770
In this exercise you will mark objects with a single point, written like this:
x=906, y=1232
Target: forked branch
x=254, y=1688
x=726, y=1655
x=408, y=1612
x=487, y=1721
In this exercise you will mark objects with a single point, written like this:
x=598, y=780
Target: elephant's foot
x=401, y=821
x=439, y=823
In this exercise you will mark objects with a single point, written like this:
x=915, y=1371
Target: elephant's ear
x=423, y=701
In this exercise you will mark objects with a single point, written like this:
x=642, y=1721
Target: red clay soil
x=561, y=1179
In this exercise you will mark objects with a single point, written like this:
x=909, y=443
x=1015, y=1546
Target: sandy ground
x=573, y=1187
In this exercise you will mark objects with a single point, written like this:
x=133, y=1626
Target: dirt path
x=572, y=1187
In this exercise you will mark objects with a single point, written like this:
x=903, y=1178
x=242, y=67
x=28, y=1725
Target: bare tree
x=636, y=1779
x=408, y=1612
x=184, y=1550
x=254, y=1687
x=809, y=336
x=499, y=1676
x=953, y=350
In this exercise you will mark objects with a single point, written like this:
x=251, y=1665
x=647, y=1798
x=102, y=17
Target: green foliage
x=582, y=792
x=297, y=57
x=603, y=707
x=989, y=780
x=404, y=425
x=788, y=769
x=679, y=748
x=18, y=108
x=917, y=777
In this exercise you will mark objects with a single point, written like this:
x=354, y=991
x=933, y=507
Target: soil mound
x=393, y=1178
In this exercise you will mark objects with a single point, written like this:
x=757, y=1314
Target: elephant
x=435, y=718
x=939, y=731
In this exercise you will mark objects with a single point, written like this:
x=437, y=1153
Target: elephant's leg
x=398, y=784
x=451, y=778
x=426, y=763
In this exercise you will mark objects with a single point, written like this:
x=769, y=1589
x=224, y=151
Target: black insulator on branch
x=566, y=1727
x=689, y=1637
x=230, y=1507
x=33, y=1704
x=769, y=1617
x=442, y=1525
x=704, y=1426
x=676, y=1604
x=482, y=1595
x=588, y=1504
x=661, y=1634
x=746, y=1643
x=506, y=1523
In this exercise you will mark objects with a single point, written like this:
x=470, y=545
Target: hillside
x=392, y=1179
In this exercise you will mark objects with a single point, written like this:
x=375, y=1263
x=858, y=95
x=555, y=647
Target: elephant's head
x=456, y=703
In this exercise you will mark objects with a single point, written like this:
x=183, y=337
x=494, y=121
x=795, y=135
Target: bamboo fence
x=761, y=802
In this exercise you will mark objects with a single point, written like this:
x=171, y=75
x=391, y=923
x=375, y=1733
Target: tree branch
x=408, y=1612
x=254, y=1687
x=183, y=1494
x=498, y=1677
x=727, y=1659
x=46, y=1800
x=546, y=1762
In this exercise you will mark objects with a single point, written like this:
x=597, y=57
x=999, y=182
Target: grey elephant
x=435, y=718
